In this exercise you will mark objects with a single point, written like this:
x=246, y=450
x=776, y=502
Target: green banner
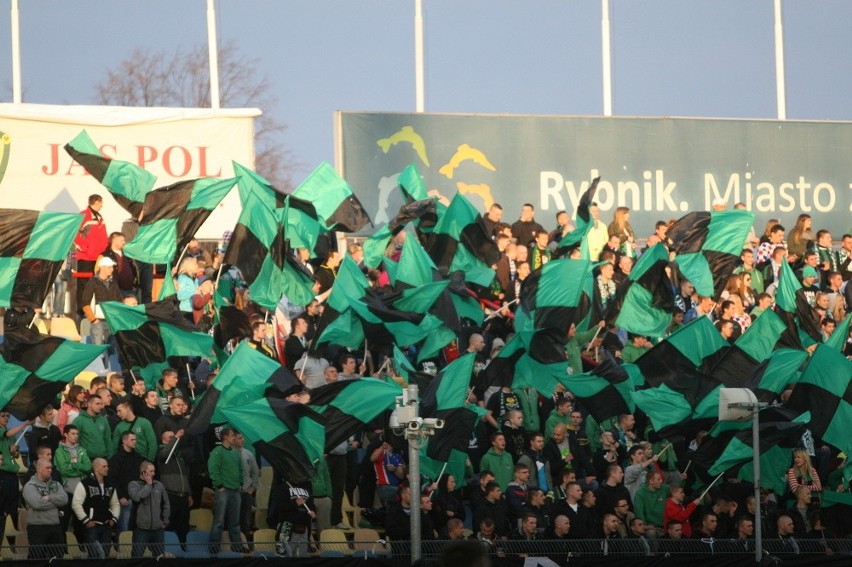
x=660, y=168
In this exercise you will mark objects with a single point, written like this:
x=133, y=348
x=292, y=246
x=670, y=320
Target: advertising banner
x=173, y=143
x=661, y=168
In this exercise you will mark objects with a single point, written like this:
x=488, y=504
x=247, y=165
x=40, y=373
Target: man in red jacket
x=676, y=510
x=90, y=242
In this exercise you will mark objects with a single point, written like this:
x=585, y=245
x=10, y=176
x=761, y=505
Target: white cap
x=105, y=261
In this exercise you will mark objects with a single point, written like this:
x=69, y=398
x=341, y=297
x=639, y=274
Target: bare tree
x=149, y=78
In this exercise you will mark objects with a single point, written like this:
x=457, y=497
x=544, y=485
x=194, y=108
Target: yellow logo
x=464, y=153
x=406, y=134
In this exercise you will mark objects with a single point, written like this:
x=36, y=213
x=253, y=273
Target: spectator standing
x=95, y=433
x=95, y=504
x=146, y=441
x=226, y=474
x=124, y=468
x=174, y=475
x=90, y=242
x=525, y=228
x=250, y=484
x=152, y=511
x=45, y=498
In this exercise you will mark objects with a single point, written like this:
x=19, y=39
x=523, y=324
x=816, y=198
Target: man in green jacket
x=146, y=441
x=225, y=468
x=95, y=434
x=649, y=503
x=498, y=461
x=575, y=340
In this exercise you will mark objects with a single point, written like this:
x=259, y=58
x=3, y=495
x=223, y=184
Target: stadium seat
x=266, y=476
x=201, y=519
x=125, y=544
x=74, y=549
x=64, y=327
x=260, y=518
x=10, y=527
x=264, y=543
x=173, y=545
x=366, y=541
x=197, y=545
x=334, y=540
x=84, y=378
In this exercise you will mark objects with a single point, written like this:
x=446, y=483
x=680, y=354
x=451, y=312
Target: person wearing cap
x=809, y=285
x=720, y=204
x=99, y=289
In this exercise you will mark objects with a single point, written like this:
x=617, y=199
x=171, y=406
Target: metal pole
x=419, y=65
x=606, y=58
x=780, y=93
x=213, y=54
x=758, y=531
x=16, y=53
x=414, y=474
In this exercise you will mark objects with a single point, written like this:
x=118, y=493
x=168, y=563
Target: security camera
x=434, y=423
x=415, y=424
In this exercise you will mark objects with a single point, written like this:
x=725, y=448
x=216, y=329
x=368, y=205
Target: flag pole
x=219, y=274
x=304, y=359
x=21, y=436
x=687, y=467
x=593, y=340
x=304, y=504
x=368, y=356
x=132, y=375
x=180, y=258
x=496, y=313
x=191, y=381
x=177, y=440
x=706, y=490
x=440, y=474
x=660, y=454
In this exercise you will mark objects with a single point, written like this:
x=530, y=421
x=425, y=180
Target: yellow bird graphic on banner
x=406, y=134
x=464, y=153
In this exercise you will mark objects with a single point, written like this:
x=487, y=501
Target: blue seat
x=197, y=545
x=229, y=555
x=173, y=545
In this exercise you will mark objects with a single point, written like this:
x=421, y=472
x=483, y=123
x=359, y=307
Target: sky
x=669, y=57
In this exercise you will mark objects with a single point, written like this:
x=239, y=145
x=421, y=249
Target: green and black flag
x=258, y=249
x=645, y=299
x=36, y=368
x=446, y=399
x=172, y=215
x=606, y=390
x=148, y=335
x=33, y=247
x=461, y=243
x=337, y=206
x=245, y=377
x=376, y=244
x=675, y=372
x=825, y=390
x=413, y=189
x=128, y=183
x=729, y=446
x=349, y=405
x=573, y=239
x=291, y=436
x=793, y=308
x=708, y=247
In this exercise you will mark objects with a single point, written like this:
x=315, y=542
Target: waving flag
x=128, y=183
x=708, y=247
x=729, y=445
x=289, y=435
x=793, y=308
x=36, y=368
x=349, y=405
x=680, y=390
x=645, y=299
x=584, y=221
x=172, y=215
x=606, y=390
x=246, y=376
x=461, y=243
x=337, y=206
x=148, y=335
x=825, y=390
x=413, y=189
x=33, y=247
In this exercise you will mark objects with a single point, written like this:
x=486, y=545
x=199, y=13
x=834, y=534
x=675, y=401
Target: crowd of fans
x=114, y=456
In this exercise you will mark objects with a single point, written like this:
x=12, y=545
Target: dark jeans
x=151, y=539
x=9, y=495
x=337, y=473
x=45, y=541
x=246, y=513
x=179, y=517
x=226, y=515
x=98, y=541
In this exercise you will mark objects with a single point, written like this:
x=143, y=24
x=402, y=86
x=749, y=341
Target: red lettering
x=111, y=153
x=53, y=165
x=145, y=155
x=202, y=164
x=167, y=161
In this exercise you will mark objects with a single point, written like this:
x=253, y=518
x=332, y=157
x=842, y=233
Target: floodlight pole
x=16, y=52
x=213, y=54
x=755, y=441
x=413, y=438
x=419, y=59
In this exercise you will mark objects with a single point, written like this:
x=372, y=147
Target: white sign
x=175, y=144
